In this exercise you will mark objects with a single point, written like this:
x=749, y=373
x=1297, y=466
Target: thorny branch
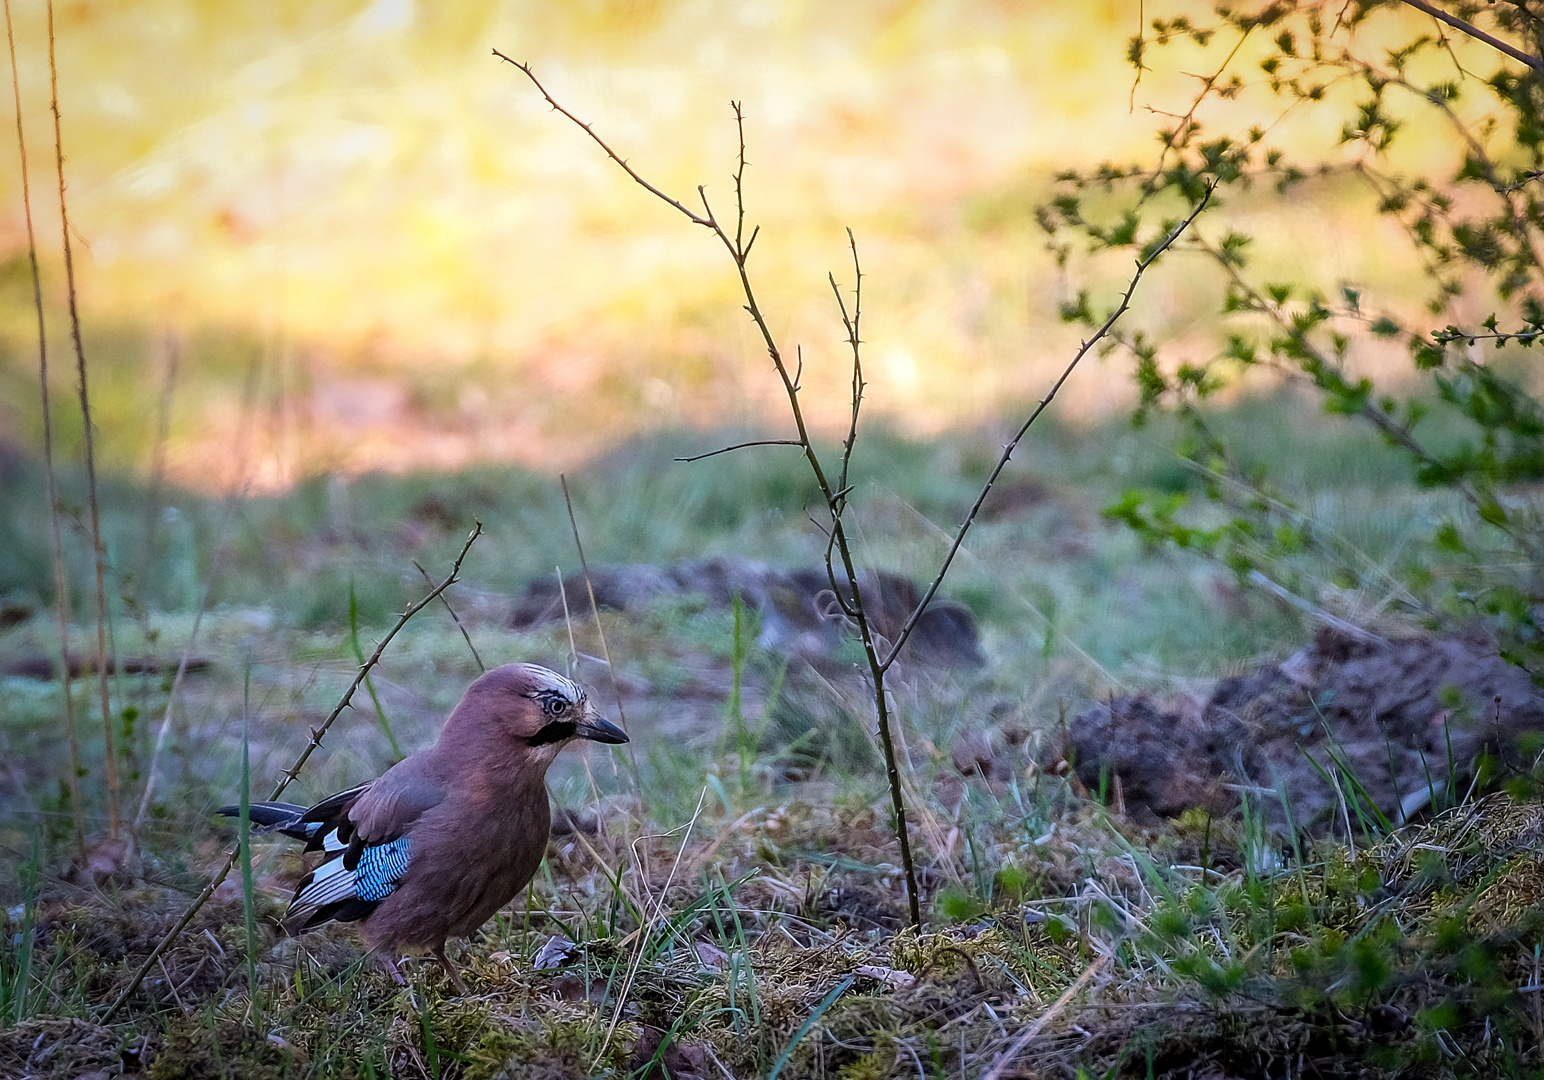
x=741, y=446
x=1002, y=462
x=289, y=775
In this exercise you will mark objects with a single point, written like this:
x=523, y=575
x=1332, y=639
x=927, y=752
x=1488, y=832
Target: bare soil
x=1344, y=722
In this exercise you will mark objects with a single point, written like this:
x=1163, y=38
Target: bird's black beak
x=597, y=728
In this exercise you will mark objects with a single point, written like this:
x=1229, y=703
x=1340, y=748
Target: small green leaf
x=1493, y=513
x=1449, y=539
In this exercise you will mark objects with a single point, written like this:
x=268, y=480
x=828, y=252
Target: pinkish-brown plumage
x=443, y=839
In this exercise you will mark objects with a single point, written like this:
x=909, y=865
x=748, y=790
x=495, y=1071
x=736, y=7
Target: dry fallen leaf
x=555, y=952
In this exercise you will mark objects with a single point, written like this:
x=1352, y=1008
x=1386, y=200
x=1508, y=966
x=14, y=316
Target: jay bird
x=435, y=845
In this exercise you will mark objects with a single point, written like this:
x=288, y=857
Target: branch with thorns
x=880, y=653
x=289, y=775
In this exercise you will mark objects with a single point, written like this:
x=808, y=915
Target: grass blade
x=809, y=1022
x=244, y=841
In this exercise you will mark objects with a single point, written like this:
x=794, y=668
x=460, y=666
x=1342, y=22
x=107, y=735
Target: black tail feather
x=275, y=817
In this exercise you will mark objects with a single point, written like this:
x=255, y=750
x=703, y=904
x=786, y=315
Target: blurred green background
x=345, y=237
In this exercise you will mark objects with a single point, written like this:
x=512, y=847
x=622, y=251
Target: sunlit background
x=338, y=236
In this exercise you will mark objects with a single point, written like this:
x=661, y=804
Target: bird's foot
x=450, y=972
x=391, y=969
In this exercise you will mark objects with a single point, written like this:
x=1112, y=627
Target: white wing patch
x=329, y=884
x=376, y=876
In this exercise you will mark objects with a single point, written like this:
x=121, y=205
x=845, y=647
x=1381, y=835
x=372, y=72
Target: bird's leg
x=455, y=980
x=391, y=969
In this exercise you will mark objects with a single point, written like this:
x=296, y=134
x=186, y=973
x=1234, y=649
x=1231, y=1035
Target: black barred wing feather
x=349, y=883
x=328, y=820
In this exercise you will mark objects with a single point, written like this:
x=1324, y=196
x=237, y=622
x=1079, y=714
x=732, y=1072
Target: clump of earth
x=798, y=613
x=1349, y=720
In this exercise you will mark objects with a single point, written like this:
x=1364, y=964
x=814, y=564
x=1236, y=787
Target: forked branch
x=849, y=599
x=739, y=246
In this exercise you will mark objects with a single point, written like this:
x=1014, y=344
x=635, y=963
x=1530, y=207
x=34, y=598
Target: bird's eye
x=557, y=707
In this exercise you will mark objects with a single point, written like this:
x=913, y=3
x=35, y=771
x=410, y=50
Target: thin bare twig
x=1002, y=462
x=288, y=776
x=1475, y=32
x=851, y=325
x=640, y=181
x=61, y=585
x=99, y=552
x=616, y=686
x=455, y=619
x=834, y=496
x=741, y=446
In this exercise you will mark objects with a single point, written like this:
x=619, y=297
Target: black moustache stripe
x=556, y=731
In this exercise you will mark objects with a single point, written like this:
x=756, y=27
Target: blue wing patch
x=380, y=869
x=334, y=891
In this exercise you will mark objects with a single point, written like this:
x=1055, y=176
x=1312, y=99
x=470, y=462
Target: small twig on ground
x=61, y=585
x=288, y=776
x=99, y=551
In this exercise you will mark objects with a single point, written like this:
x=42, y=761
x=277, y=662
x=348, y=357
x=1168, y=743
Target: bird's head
x=533, y=708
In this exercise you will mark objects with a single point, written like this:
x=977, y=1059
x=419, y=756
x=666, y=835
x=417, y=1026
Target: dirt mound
x=1345, y=722
x=797, y=609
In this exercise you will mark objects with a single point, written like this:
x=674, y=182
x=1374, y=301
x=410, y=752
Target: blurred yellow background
x=369, y=244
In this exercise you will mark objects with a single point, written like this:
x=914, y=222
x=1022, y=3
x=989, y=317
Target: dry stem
x=739, y=248
x=61, y=586
x=114, y=813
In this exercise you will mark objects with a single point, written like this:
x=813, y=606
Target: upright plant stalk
x=600, y=630
x=739, y=248
x=114, y=813
x=61, y=586
x=838, y=546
